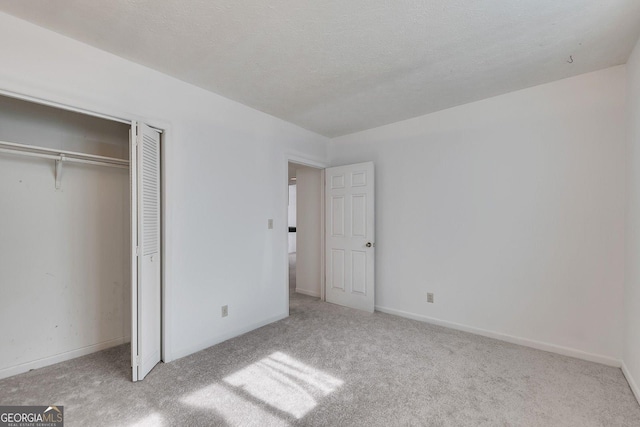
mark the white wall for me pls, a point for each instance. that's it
(309, 216)
(64, 265)
(631, 356)
(218, 247)
(292, 217)
(511, 210)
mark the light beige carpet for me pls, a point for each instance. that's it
(330, 366)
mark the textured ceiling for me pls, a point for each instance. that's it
(336, 67)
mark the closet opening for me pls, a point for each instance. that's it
(67, 272)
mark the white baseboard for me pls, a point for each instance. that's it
(631, 381)
(565, 351)
(186, 351)
(68, 355)
(306, 292)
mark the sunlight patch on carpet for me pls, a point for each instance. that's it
(273, 386)
(233, 408)
(285, 383)
(153, 420)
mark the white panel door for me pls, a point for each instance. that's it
(145, 341)
(350, 236)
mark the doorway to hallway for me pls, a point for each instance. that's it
(305, 221)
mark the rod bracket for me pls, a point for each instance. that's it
(59, 171)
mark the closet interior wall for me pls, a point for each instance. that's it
(64, 253)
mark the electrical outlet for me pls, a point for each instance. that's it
(430, 297)
(225, 310)
(270, 224)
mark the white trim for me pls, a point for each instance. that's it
(304, 162)
(165, 352)
(565, 351)
(632, 383)
(323, 223)
(62, 357)
(309, 293)
(158, 125)
(186, 351)
(133, 238)
(61, 106)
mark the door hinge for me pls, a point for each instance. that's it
(137, 250)
(138, 360)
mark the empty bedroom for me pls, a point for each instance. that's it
(322, 213)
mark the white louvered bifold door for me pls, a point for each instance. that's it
(148, 234)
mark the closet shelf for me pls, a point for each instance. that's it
(61, 156)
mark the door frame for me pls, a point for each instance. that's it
(304, 161)
(166, 144)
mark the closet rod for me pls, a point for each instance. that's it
(62, 157)
(67, 156)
